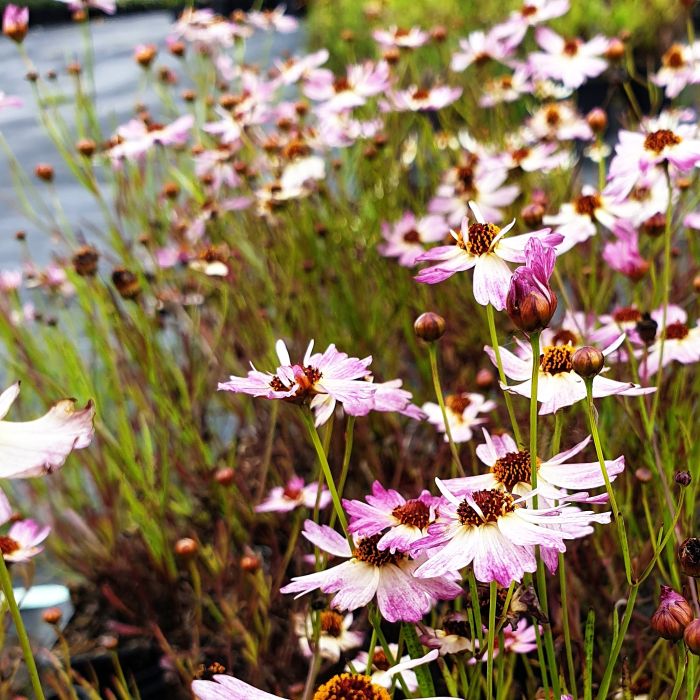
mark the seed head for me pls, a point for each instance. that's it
(689, 556)
(429, 326)
(588, 362)
(672, 616)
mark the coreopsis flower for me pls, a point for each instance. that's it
(532, 13)
(521, 640)
(381, 665)
(558, 385)
(109, 7)
(215, 168)
(510, 470)
(295, 68)
(463, 413)
(558, 121)
(622, 254)
(135, 138)
(541, 157)
(415, 99)
(322, 380)
(570, 61)
(483, 247)
(478, 48)
(15, 22)
(344, 685)
(497, 534)
(401, 38)
(22, 540)
(205, 29)
(454, 637)
(294, 494)
(335, 636)
(505, 88)
(369, 573)
(679, 68)
(406, 238)
(680, 344)
(272, 20)
(531, 302)
(41, 446)
(405, 521)
(623, 319)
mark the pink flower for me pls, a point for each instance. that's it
(558, 385)
(462, 414)
(15, 22)
(369, 573)
(416, 99)
(386, 509)
(406, 238)
(273, 20)
(217, 166)
(495, 533)
(481, 246)
(335, 636)
(323, 379)
(558, 121)
(296, 68)
(37, 447)
(478, 48)
(570, 61)
(109, 7)
(521, 640)
(505, 88)
(623, 254)
(401, 38)
(680, 342)
(679, 68)
(136, 138)
(9, 101)
(510, 470)
(295, 494)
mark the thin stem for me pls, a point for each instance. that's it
(267, 454)
(315, 664)
(457, 468)
(680, 675)
(617, 515)
(501, 373)
(6, 584)
(535, 344)
(349, 435)
(491, 636)
(566, 627)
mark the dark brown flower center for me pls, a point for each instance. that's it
(673, 58)
(528, 10)
(676, 331)
(306, 379)
(420, 94)
(586, 204)
(412, 236)
(347, 686)
(291, 492)
(414, 513)
(512, 469)
(479, 238)
(520, 154)
(341, 84)
(571, 47)
(457, 403)
(8, 545)
(367, 551)
(556, 359)
(492, 503)
(628, 314)
(658, 140)
(380, 661)
(458, 627)
(552, 115)
(331, 623)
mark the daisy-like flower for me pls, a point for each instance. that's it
(135, 138)
(622, 254)
(41, 446)
(416, 99)
(680, 342)
(454, 637)
(272, 20)
(406, 238)
(295, 68)
(344, 685)
(495, 533)
(481, 246)
(462, 414)
(369, 573)
(335, 638)
(623, 319)
(478, 48)
(558, 385)
(9, 100)
(294, 494)
(401, 38)
(405, 521)
(571, 61)
(381, 666)
(22, 541)
(510, 470)
(558, 121)
(215, 168)
(532, 13)
(505, 88)
(323, 379)
(521, 640)
(679, 68)
(541, 157)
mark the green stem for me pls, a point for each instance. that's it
(6, 584)
(349, 434)
(535, 344)
(617, 515)
(501, 373)
(491, 636)
(457, 468)
(566, 627)
(680, 675)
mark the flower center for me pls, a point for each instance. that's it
(479, 238)
(458, 627)
(564, 337)
(658, 140)
(367, 551)
(380, 661)
(420, 94)
(331, 623)
(628, 314)
(457, 403)
(8, 545)
(492, 503)
(341, 85)
(676, 331)
(673, 58)
(586, 204)
(520, 154)
(512, 469)
(414, 513)
(401, 32)
(552, 116)
(306, 378)
(347, 686)
(411, 236)
(556, 359)
(291, 492)
(528, 10)
(571, 47)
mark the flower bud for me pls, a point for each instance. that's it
(15, 22)
(85, 261)
(126, 282)
(44, 172)
(186, 547)
(655, 225)
(532, 214)
(144, 54)
(250, 562)
(672, 616)
(646, 328)
(689, 556)
(696, 283)
(224, 476)
(616, 49)
(86, 147)
(598, 120)
(485, 378)
(533, 311)
(429, 326)
(52, 616)
(643, 474)
(438, 33)
(588, 362)
(683, 478)
(691, 637)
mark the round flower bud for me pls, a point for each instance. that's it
(643, 474)
(224, 476)
(485, 378)
(186, 547)
(616, 49)
(85, 261)
(532, 214)
(250, 562)
(655, 225)
(691, 637)
(144, 55)
(52, 616)
(646, 328)
(86, 147)
(689, 556)
(683, 478)
(598, 120)
(588, 362)
(391, 55)
(126, 282)
(672, 616)
(44, 172)
(696, 283)
(438, 33)
(429, 326)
